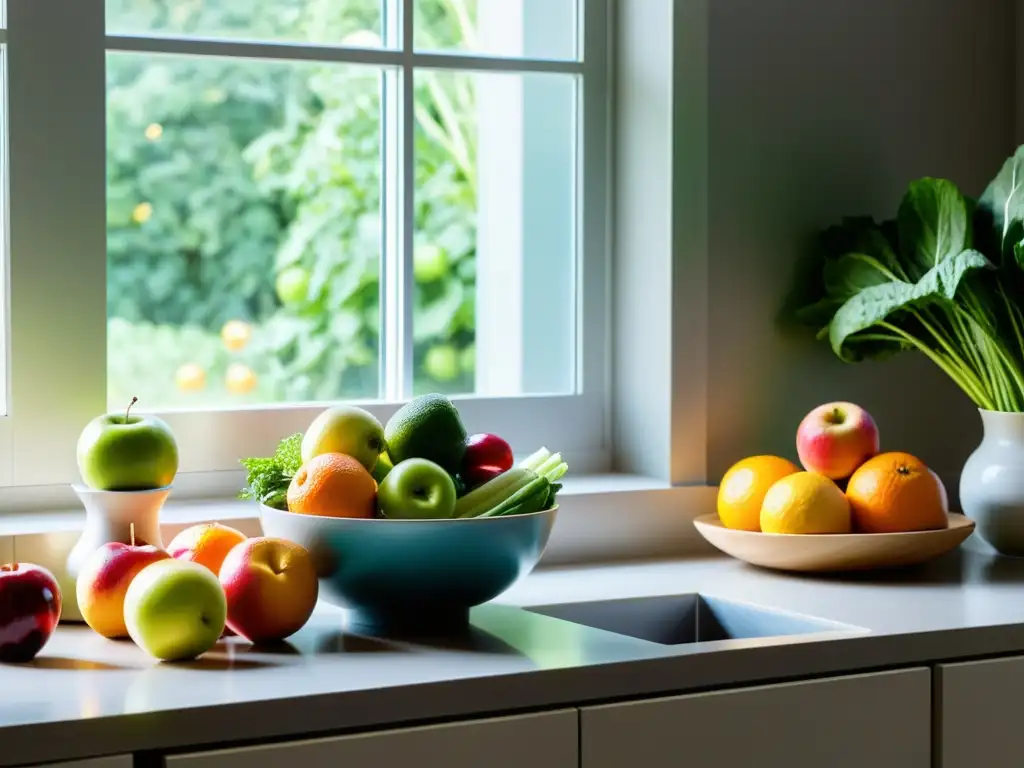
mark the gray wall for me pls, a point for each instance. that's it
(819, 108)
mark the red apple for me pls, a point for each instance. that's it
(836, 438)
(103, 583)
(486, 457)
(271, 588)
(29, 610)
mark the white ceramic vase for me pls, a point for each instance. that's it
(110, 516)
(992, 483)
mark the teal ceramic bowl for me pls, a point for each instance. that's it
(414, 575)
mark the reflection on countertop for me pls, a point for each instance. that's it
(86, 695)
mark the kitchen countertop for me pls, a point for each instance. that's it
(86, 696)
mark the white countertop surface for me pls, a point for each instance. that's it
(86, 696)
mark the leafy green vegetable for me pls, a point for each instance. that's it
(945, 277)
(933, 225)
(1000, 212)
(268, 478)
(875, 304)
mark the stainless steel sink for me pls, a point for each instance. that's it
(688, 618)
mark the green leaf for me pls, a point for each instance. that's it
(934, 225)
(435, 318)
(860, 234)
(880, 302)
(848, 275)
(1001, 207)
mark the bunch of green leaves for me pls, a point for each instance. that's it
(268, 479)
(944, 278)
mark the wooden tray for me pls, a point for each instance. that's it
(834, 552)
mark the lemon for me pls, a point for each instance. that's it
(743, 488)
(805, 502)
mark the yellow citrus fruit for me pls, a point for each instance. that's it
(190, 377)
(333, 485)
(235, 334)
(142, 213)
(805, 502)
(240, 379)
(743, 488)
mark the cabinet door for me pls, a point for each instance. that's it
(879, 720)
(547, 740)
(978, 714)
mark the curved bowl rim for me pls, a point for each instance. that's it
(712, 521)
(421, 521)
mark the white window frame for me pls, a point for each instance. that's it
(57, 268)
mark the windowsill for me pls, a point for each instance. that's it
(601, 517)
(224, 509)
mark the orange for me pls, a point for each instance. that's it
(894, 493)
(743, 488)
(236, 334)
(805, 502)
(240, 380)
(207, 544)
(190, 377)
(333, 485)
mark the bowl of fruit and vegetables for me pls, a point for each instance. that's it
(413, 523)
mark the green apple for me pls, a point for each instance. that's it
(429, 263)
(417, 489)
(175, 609)
(125, 452)
(442, 363)
(383, 467)
(292, 285)
(345, 429)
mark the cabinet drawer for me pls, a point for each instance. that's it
(879, 720)
(978, 714)
(546, 740)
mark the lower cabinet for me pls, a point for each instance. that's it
(881, 720)
(546, 740)
(978, 723)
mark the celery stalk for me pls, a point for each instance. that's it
(533, 496)
(535, 459)
(549, 464)
(557, 473)
(493, 492)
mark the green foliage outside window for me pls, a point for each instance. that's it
(250, 191)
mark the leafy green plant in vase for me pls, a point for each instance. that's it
(944, 278)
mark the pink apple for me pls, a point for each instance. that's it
(104, 581)
(836, 438)
(271, 588)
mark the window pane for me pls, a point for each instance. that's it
(536, 29)
(4, 306)
(244, 227)
(326, 22)
(495, 241)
